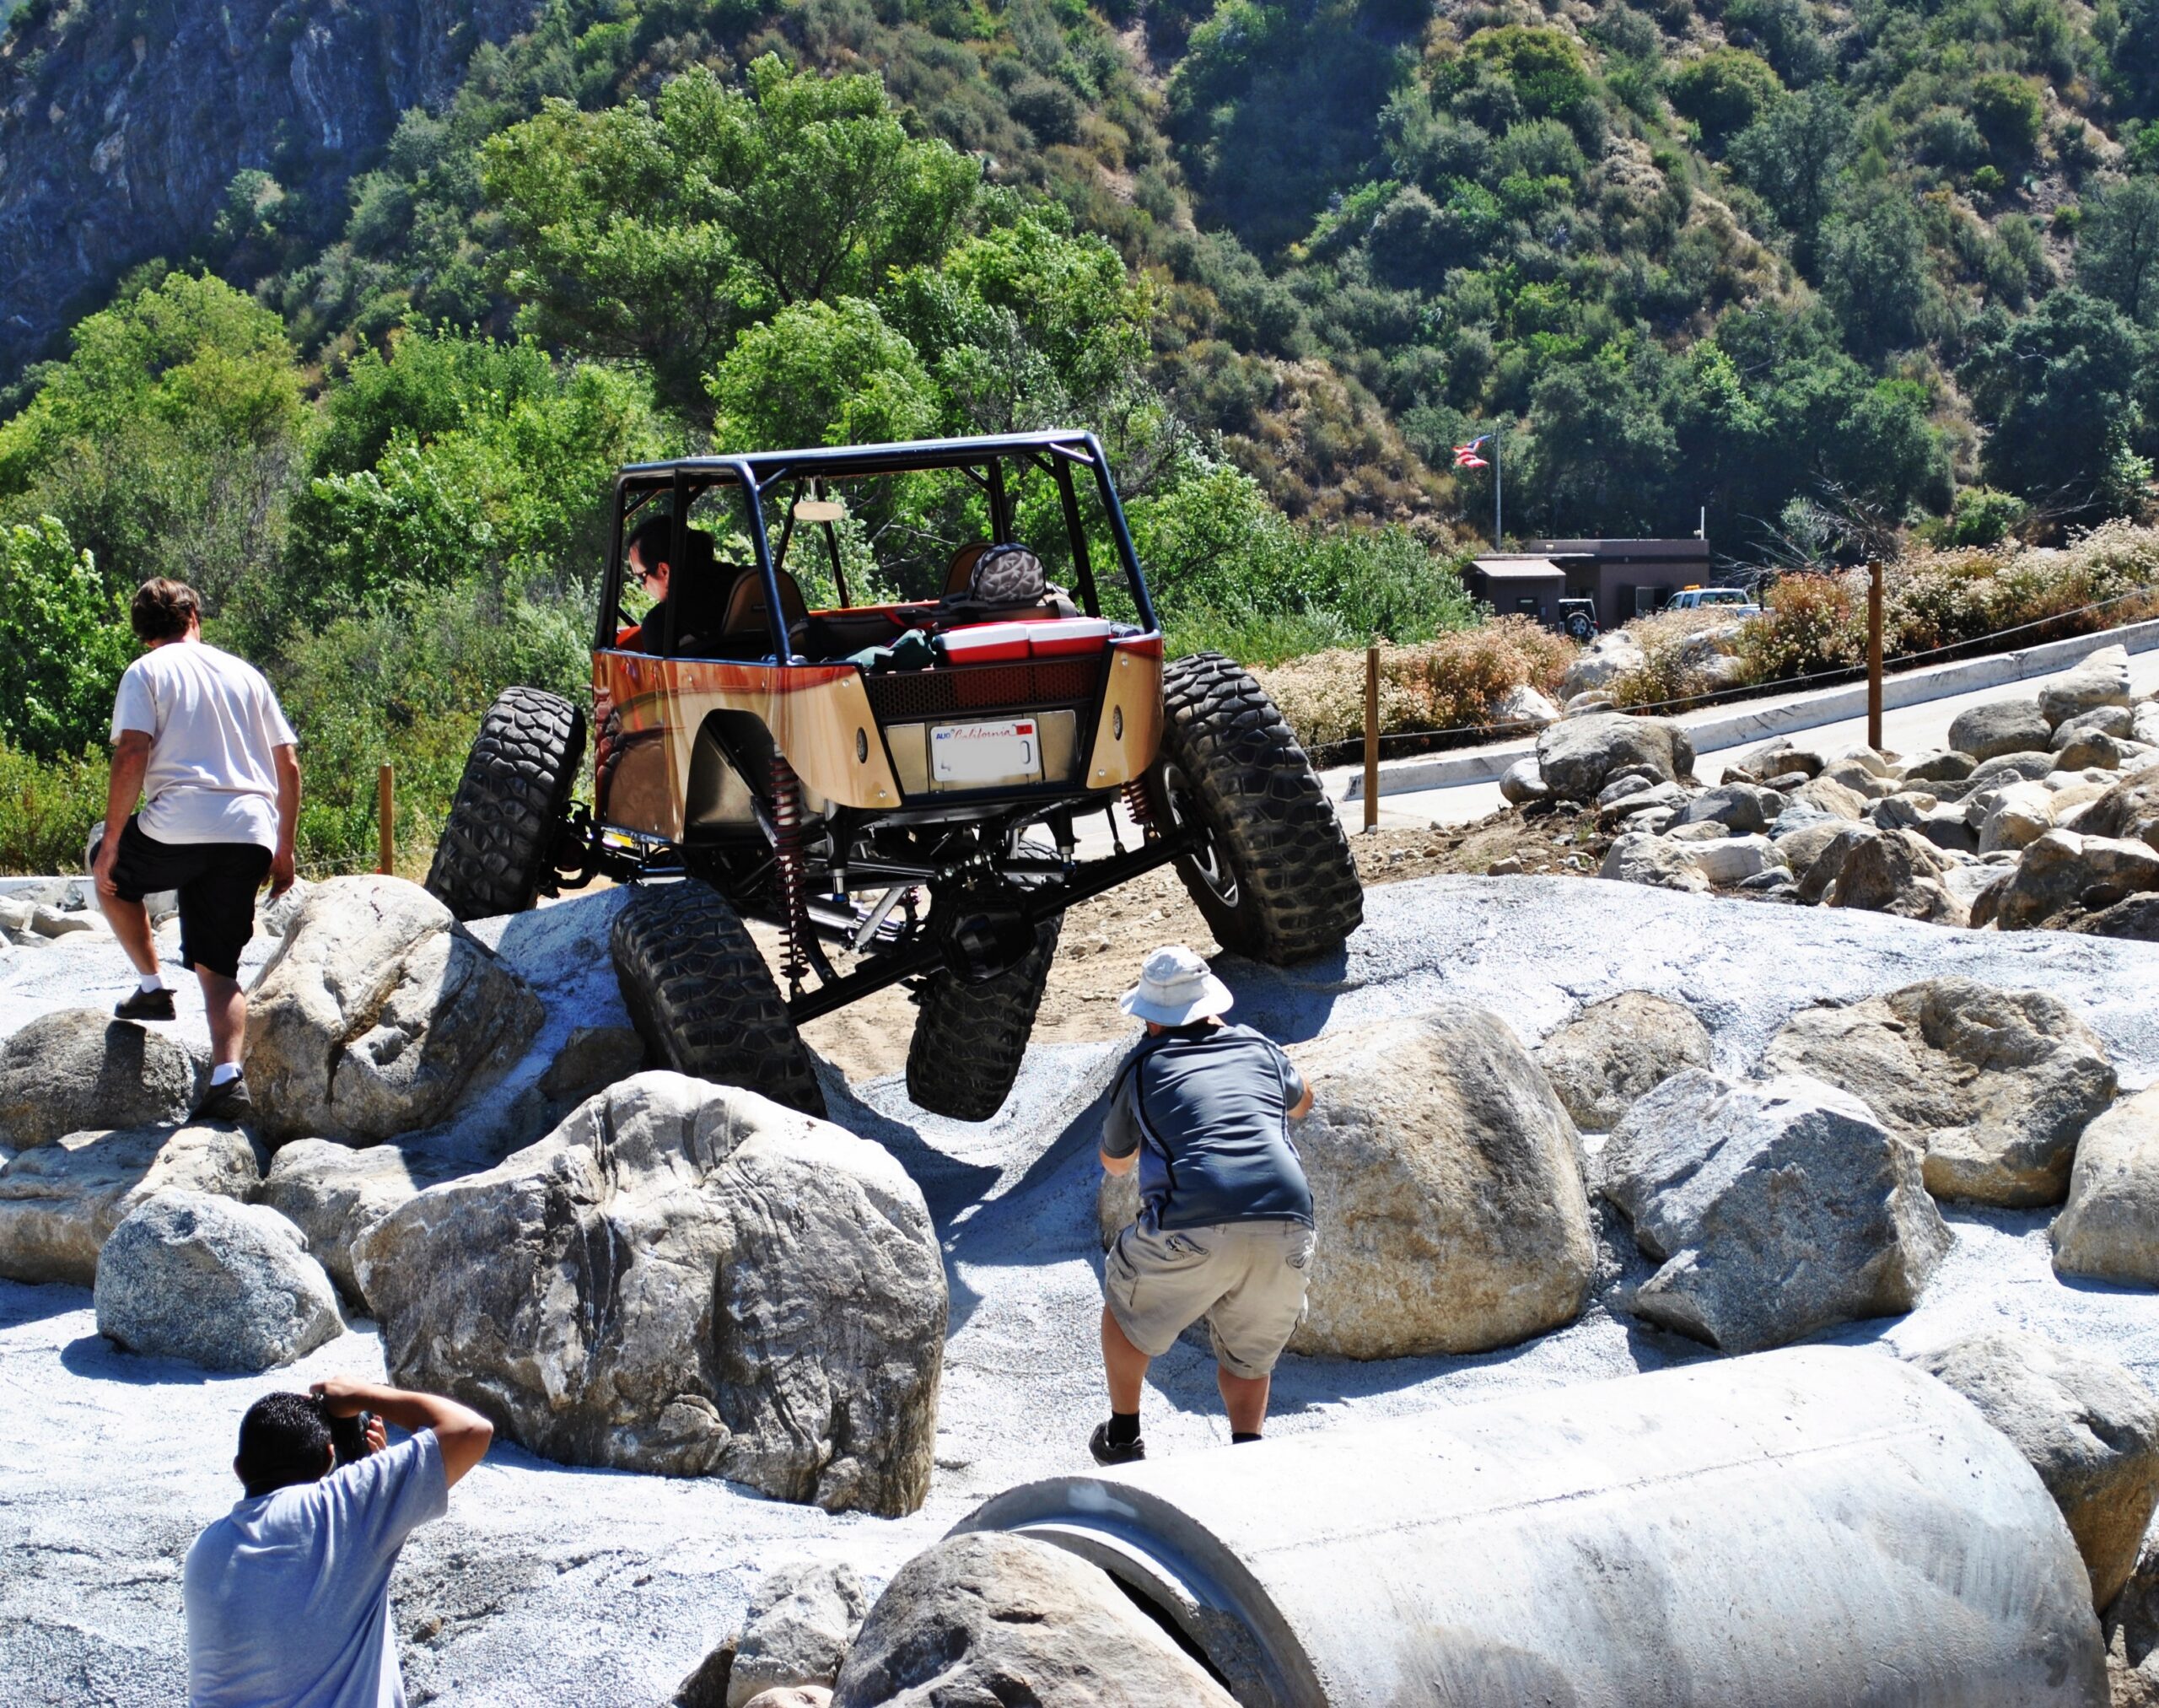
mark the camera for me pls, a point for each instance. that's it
(348, 1437)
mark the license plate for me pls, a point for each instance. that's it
(986, 753)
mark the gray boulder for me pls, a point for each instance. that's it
(989, 1618)
(336, 1195)
(2058, 871)
(79, 1070)
(1635, 796)
(58, 1204)
(1779, 758)
(2107, 720)
(681, 1278)
(378, 1015)
(1447, 1191)
(1993, 1086)
(1827, 794)
(1742, 807)
(1999, 727)
(801, 1620)
(226, 1285)
(1579, 754)
(2129, 810)
(2102, 680)
(1939, 766)
(1891, 871)
(2085, 1425)
(1613, 654)
(592, 1058)
(1777, 1208)
(1523, 783)
(1637, 857)
(2136, 919)
(1997, 773)
(2092, 751)
(2108, 1230)
(1615, 1050)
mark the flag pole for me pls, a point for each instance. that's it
(1495, 487)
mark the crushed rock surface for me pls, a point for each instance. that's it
(548, 1584)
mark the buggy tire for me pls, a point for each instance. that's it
(1276, 881)
(970, 1039)
(497, 846)
(702, 997)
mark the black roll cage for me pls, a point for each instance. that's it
(1055, 452)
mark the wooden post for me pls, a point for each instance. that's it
(1372, 736)
(1874, 654)
(386, 819)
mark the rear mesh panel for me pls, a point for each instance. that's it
(905, 697)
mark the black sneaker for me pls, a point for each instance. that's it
(229, 1102)
(1098, 1444)
(145, 1005)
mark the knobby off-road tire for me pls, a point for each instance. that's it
(498, 844)
(1276, 881)
(702, 997)
(970, 1039)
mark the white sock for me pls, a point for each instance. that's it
(154, 981)
(224, 1073)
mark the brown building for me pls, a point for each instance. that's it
(1625, 577)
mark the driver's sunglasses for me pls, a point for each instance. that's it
(648, 575)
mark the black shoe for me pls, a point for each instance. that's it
(145, 1005)
(229, 1102)
(1130, 1453)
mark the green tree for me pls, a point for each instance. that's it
(2009, 113)
(1601, 457)
(1724, 92)
(1875, 276)
(64, 640)
(662, 233)
(1791, 157)
(821, 374)
(166, 441)
(2054, 389)
(2117, 248)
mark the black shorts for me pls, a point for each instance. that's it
(216, 882)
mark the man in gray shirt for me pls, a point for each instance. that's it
(288, 1595)
(1225, 1222)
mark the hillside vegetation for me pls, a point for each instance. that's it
(1821, 274)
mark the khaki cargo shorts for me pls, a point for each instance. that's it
(1247, 1277)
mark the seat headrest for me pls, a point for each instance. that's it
(747, 608)
(1006, 575)
(961, 569)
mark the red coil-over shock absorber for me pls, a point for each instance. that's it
(1135, 804)
(793, 893)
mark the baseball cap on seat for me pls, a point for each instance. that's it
(1175, 988)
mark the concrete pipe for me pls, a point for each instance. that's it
(1820, 1525)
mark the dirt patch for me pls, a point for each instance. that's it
(1098, 956)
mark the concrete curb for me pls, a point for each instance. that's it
(1720, 727)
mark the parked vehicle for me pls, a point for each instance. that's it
(1738, 600)
(895, 784)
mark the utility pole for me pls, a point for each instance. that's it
(1874, 655)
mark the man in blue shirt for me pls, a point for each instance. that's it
(1203, 1110)
(288, 1595)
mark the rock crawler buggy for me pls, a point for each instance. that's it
(896, 786)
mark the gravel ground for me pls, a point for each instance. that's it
(553, 1585)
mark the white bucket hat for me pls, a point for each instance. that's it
(1175, 988)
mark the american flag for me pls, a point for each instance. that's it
(1466, 457)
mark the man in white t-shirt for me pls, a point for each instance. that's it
(198, 735)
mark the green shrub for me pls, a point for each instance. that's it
(47, 807)
(64, 640)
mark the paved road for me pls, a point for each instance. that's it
(1910, 729)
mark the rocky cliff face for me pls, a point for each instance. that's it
(121, 124)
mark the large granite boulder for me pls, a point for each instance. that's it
(2109, 1228)
(2086, 1426)
(1446, 1190)
(1615, 1050)
(1998, 727)
(682, 1278)
(2128, 809)
(1638, 857)
(58, 1204)
(1992, 1086)
(2065, 871)
(1742, 808)
(989, 1618)
(226, 1285)
(1782, 758)
(2102, 680)
(79, 1070)
(801, 1620)
(336, 1194)
(1578, 755)
(1777, 1208)
(378, 1015)
(1613, 654)
(1890, 871)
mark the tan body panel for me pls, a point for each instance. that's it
(648, 711)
